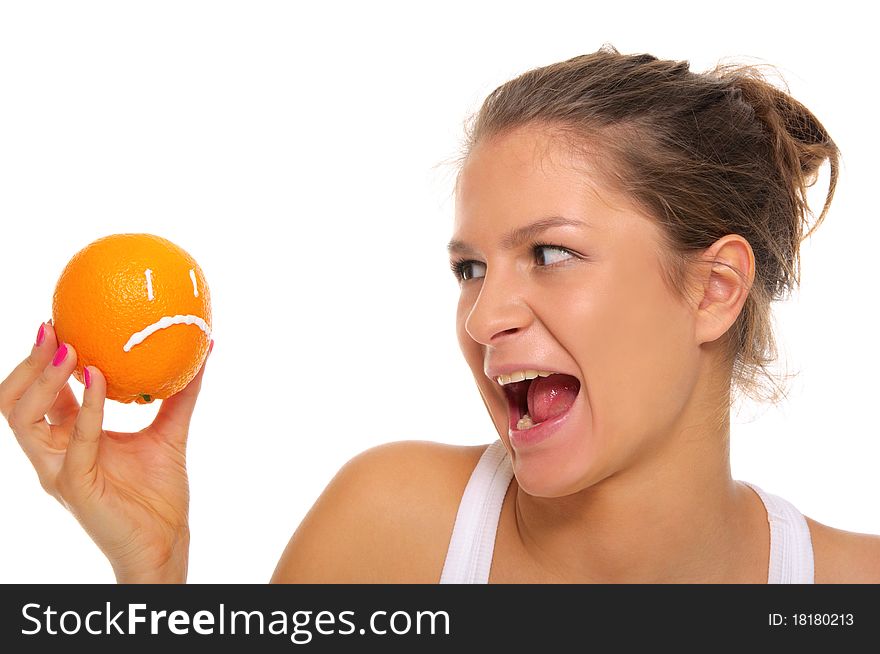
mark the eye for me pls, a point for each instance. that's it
(555, 250)
(149, 275)
(463, 269)
(192, 277)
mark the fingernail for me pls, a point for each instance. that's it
(41, 335)
(88, 377)
(60, 355)
(211, 346)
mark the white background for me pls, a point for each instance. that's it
(297, 151)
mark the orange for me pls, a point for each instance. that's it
(137, 307)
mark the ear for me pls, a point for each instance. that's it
(726, 275)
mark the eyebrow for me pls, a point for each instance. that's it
(520, 235)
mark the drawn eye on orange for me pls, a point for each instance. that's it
(166, 321)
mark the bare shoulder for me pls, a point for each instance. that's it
(385, 517)
(844, 557)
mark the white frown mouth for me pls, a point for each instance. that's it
(162, 323)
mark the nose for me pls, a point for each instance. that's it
(499, 311)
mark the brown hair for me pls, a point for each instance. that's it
(705, 154)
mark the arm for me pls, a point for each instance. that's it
(844, 557)
(386, 517)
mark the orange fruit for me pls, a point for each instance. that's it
(137, 307)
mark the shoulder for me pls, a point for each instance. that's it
(385, 517)
(844, 557)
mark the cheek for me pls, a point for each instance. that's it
(635, 354)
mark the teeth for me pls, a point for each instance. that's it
(521, 375)
(525, 422)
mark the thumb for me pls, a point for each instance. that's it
(173, 418)
(80, 461)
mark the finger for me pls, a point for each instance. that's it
(14, 386)
(29, 412)
(20, 379)
(66, 407)
(80, 465)
(174, 416)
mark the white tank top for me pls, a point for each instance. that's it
(469, 556)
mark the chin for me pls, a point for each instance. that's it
(556, 473)
(547, 488)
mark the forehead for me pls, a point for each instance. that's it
(530, 171)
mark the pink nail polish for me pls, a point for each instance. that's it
(60, 355)
(211, 346)
(88, 377)
(41, 335)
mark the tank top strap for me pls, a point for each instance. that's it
(791, 548)
(469, 556)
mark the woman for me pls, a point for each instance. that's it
(621, 227)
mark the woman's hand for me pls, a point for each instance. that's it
(129, 491)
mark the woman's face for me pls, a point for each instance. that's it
(585, 298)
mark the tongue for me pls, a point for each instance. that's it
(551, 396)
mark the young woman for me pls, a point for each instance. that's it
(622, 225)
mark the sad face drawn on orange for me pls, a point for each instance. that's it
(138, 307)
(167, 321)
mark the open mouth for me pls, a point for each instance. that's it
(532, 402)
(166, 321)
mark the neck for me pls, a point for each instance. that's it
(674, 516)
